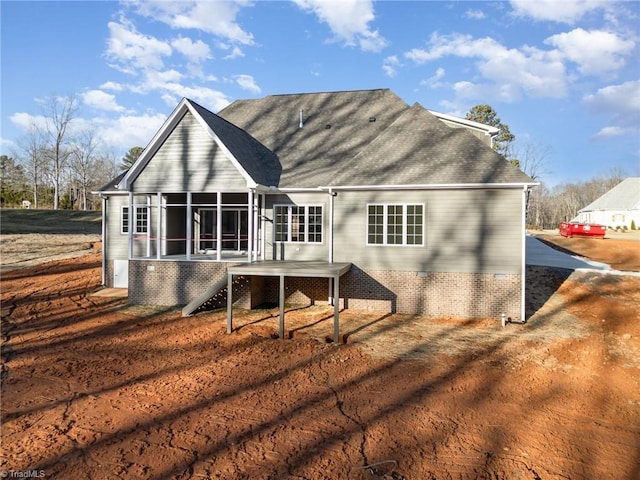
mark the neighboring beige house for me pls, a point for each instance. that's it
(429, 219)
(617, 209)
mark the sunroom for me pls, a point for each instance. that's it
(217, 226)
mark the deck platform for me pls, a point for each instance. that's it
(288, 268)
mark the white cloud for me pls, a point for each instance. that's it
(216, 17)
(511, 72)
(236, 52)
(114, 86)
(26, 121)
(348, 20)
(212, 99)
(614, 131)
(622, 100)
(475, 14)
(564, 11)
(127, 131)
(390, 66)
(595, 52)
(247, 82)
(101, 100)
(195, 52)
(131, 50)
(434, 80)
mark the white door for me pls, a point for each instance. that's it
(121, 274)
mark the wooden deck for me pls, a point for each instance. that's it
(287, 268)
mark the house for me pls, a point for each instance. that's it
(619, 208)
(428, 218)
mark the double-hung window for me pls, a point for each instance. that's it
(141, 221)
(395, 224)
(298, 223)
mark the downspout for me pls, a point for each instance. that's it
(131, 225)
(159, 226)
(189, 226)
(263, 230)
(250, 220)
(148, 209)
(332, 195)
(218, 226)
(104, 240)
(524, 253)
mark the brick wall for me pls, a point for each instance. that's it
(440, 294)
(434, 293)
(177, 283)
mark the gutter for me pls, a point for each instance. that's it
(432, 186)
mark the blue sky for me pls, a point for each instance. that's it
(564, 75)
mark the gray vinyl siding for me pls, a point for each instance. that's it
(116, 243)
(471, 231)
(297, 250)
(189, 160)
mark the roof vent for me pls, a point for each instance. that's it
(301, 122)
(327, 126)
(372, 119)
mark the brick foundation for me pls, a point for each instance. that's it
(177, 283)
(463, 295)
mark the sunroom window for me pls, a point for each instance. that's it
(141, 224)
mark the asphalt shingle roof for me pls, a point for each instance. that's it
(366, 137)
(259, 162)
(624, 196)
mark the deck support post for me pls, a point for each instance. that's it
(281, 303)
(229, 302)
(336, 310)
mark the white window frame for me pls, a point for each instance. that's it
(139, 211)
(385, 225)
(290, 223)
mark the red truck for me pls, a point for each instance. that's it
(570, 229)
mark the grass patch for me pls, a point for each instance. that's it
(49, 221)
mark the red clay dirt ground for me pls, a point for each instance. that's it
(93, 388)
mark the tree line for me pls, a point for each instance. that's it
(57, 165)
(546, 206)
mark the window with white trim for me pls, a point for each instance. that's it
(141, 221)
(298, 223)
(395, 224)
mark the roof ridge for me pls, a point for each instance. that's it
(328, 91)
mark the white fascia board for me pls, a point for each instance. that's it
(157, 140)
(251, 183)
(109, 192)
(442, 186)
(488, 129)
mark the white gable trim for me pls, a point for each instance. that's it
(487, 129)
(161, 135)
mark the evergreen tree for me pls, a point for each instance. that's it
(130, 158)
(487, 115)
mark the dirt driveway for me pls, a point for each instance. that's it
(93, 388)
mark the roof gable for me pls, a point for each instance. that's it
(624, 196)
(252, 160)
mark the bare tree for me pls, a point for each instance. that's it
(83, 164)
(59, 113)
(31, 155)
